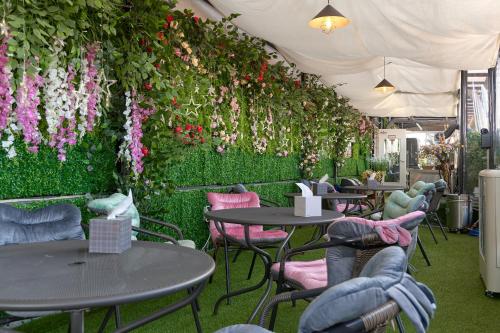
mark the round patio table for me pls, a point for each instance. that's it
(331, 196)
(63, 275)
(381, 188)
(265, 216)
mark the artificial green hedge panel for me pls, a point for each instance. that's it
(88, 169)
(235, 166)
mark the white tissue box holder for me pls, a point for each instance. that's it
(110, 236)
(307, 206)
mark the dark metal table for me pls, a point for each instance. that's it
(63, 275)
(266, 216)
(332, 196)
(376, 189)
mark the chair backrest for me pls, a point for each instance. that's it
(239, 188)
(421, 188)
(219, 201)
(347, 261)
(399, 204)
(350, 182)
(382, 280)
(436, 199)
(55, 222)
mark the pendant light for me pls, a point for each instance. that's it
(329, 19)
(384, 86)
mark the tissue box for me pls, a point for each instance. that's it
(110, 236)
(307, 206)
(319, 188)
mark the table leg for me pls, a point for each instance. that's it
(76, 321)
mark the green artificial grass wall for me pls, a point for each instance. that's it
(88, 169)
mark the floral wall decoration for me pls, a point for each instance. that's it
(162, 82)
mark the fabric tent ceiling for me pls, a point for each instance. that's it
(426, 42)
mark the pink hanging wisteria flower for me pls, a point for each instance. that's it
(132, 148)
(28, 117)
(66, 127)
(90, 89)
(6, 98)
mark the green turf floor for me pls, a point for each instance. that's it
(453, 276)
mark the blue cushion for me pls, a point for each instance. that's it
(55, 222)
(353, 298)
(399, 204)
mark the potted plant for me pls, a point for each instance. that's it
(441, 153)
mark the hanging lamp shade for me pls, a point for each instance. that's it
(384, 86)
(329, 19)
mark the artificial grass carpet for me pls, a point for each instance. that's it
(453, 277)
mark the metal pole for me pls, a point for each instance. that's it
(492, 73)
(462, 170)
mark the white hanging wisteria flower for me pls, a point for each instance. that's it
(56, 98)
(8, 144)
(127, 139)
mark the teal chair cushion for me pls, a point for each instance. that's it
(399, 204)
(105, 205)
(422, 188)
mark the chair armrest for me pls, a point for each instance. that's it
(164, 224)
(156, 234)
(288, 297)
(268, 203)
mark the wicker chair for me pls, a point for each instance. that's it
(357, 234)
(373, 301)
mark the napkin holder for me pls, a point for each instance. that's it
(110, 235)
(307, 206)
(320, 188)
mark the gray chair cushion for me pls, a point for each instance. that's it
(55, 222)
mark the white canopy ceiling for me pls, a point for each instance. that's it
(426, 42)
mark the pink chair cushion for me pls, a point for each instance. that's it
(390, 231)
(241, 200)
(305, 274)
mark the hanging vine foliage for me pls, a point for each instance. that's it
(161, 81)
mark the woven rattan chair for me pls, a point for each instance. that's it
(377, 297)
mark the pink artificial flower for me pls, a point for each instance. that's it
(6, 98)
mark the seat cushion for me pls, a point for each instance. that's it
(243, 328)
(305, 274)
(257, 235)
(186, 243)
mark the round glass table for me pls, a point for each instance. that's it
(63, 275)
(270, 217)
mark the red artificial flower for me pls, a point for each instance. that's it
(148, 86)
(297, 83)
(169, 18)
(142, 42)
(149, 49)
(202, 140)
(247, 77)
(260, 78)
(165, 42)
(166, 25)
(157, 65)
(188, 127)
(178, 129)
(160, 35)
(145, 151)
(196, 19)
(199, 129)
(174, 101)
